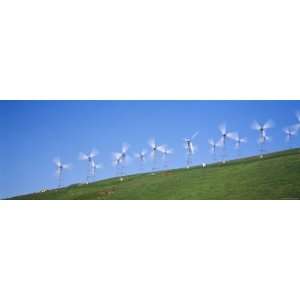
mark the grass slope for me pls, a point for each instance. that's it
(274, 177)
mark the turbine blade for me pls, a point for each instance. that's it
(117, 155)
(220, 143)
(125, 147)
(194, 135)
(194, 148)
(286, 130)
(255, 125)
(152, 143)
(170, 151)
(268, 124)
(222, 128)
(83, 156)
(162, 148)
(93, 153)
(232, 135)
(152, 154)
(211, 142)
(57, 162)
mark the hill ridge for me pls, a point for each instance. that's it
(276, 176)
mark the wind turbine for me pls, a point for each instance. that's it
(165, 153)
(290, 133)
(153, 154)
(262, 129)
(89, 158)
(225, 135)
(141, 156)
(117, 161)
(190, 149)
(59, 169)
(238, 143)
(124, 157)
(213, 148)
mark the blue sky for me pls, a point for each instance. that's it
(34, 132)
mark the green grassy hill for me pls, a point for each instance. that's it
(276, 176)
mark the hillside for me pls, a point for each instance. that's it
(274, 177)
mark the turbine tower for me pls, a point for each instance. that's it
(190, 149)
(262, 141)
(59, 170)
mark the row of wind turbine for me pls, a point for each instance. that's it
(120, 159)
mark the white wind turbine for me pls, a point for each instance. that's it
(225, 135)
(153, 154)
(190, 149)
(120, 159)
(141, 156)
(89, 158)
(290, 132)
(165, 153)
(117, 162)
(59, 169)
(213, 148)
(125, 156)
(262, 129)
(238, 143)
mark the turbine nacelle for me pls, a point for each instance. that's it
(141, 155)
(117, 158)
(262, 127)
(239, 141)
(226, 134)
(154, 148)
(89, 157)
(290, 132)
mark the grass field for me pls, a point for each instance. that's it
(276, 176)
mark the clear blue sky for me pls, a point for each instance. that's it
(34, 132)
